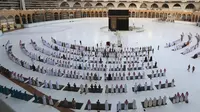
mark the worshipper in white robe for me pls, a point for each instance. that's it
(134, 104)
(146, 102)
(154, 102)
(50, 101)
(172, 83)
(81, 88)
(99, 78)
(145, 86)
(12, 75)
(106, 106)
(112, 89)
(164, 100)
(150, 102)
(119, 106)
(143, 75)
(177, 97)
(159, 101)
(152, 75)
(116, 89)
(133, 75)
(125, 88)
(57, 85)
(159, 85)
(121, 88)
(45, 84)
(30, 81)
(156, 73)
(50, 85)
(166, 83)
(126, 105)
(139, 75)
(151, 86)
(174, 99)
(128, 77)
(186, 97)
(37, 82)
(106, 91)
(135, 87)
(164, 72)
(86, 89)
(89, 105)
(44, 100)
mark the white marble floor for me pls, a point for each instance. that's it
(89, 32)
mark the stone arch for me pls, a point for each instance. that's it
(64, 5)
(17, 19)
(92, 14)
(49, 16)
(110, 5)
(183, 17)
(29, 18)
(141, 15)
(88, 4)
(96, 14)
(100, 14)
(99, 5)
(24, 19)
(145, 14)
(77, 5)
(190, 6)
(165, 6)
(143, 5)
(56, 16)
(88, 14)
(104, 14)
(177, 6)
(154, 6)
(3, 20)
(10, 19)
(132, 5)
(133, 14)
(64, 15)
(121, 5)
(84, 14)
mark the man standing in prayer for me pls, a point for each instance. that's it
(193, 68)
(188, 68)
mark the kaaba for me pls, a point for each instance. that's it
(118, 20)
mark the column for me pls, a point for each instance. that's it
(23, 4)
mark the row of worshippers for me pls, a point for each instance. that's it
(14, 93)
(74, 46)
(16, 76)
(136, 54)
(85, 76)
(114, 76)
(116, 89)
(130, 49)
(184, 44)
(166, 84)
(155, 102)
(158, 73)
(89, 105)
(71, 54)
(69, 86)
(126, 105)
(139, 87)
(50, 85)
(93, 88)
(134, 76)
(46, 100)
(175, 42)
(180, 98)
(64, 49)
(12, 57)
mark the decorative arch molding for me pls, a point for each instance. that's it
(121, 5)
(77, 5)
(64, 5)
(165, 6)
(88, 4)
(132, 5)
(143, 5)
(99, 5)
(176, 6)
(110, 5)
(190, 6)
(154, 5)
